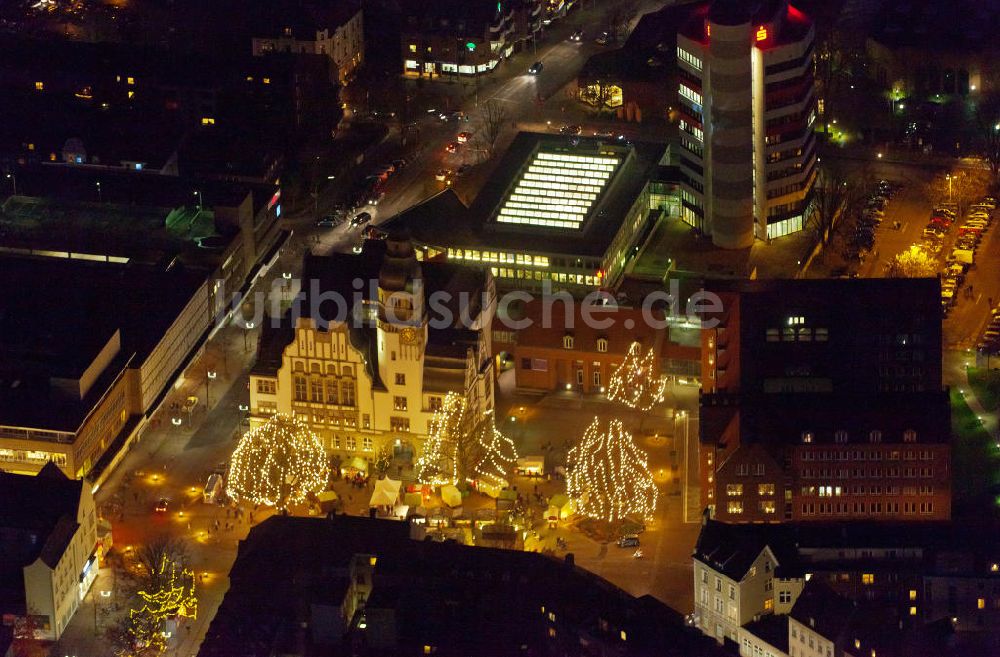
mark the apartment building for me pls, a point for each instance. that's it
(822, 400)
(374, 377)
(48, 536)
(746, 107)
(334, 30)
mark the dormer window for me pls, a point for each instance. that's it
(288, 31)
(875, 436)
(602, 345)
(807, 437)
(840, 436)
(568, 341)
(909, 436)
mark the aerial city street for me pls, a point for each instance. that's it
(541, 327)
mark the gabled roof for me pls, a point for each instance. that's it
(732, 549)
(35, 503)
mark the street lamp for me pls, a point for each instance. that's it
(99, 197)
(949, 177)
(13, 180)
(198, 194)
(176, 421)
(210, 376)
(246, 333)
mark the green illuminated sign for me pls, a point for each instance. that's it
(471, 46)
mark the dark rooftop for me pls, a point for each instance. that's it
(772, 628)
(960, 25)
(270, 18)
(821, 609)
(55, 315)
(444, 220)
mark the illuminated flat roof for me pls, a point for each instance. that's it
(558, 189)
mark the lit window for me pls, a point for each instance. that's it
(867, 578)
(765, 489)
(734, 489)
(130, 80)
(913, 594)
(913, 611)
(735, 507)
(413, 47)
(769, 604)
(267, 80)
(807, 437)
(981, 603)
(39, 86)
(602, 345)
(623, 635)
(206, 120)
(131, 94)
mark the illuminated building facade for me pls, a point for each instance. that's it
(822, 400)
(378, 383)
(746, 108)
(48, 538)
(464, 38)
(571, 212)
(335, 31)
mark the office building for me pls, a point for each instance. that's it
(746, 112)
(822, 400)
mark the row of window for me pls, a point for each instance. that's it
(871, 508)
(31, 456)
(765, 506)
(837, 491)
(559, 277)
(861, 455)
(325, 390)
(499, 257)
(792, 334)
(874, 436)
(349, 443)
(859, 473)
(601, 343)
(736, 490)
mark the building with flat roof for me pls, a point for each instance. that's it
(142, 284)
(348, 585)
(822, 399)
(747, 107)
(570, 211)
(48, 538)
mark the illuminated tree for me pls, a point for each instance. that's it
(277, 464)
(496, 455)
(436, 464)
(635, 383)
(461, 447)
(382, 461)
(173, 596)
(607, 475)
(915, 262)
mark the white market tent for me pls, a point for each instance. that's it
(450, 495)
(386, 493)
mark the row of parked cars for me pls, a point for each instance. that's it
(963, 255)
(872, 215)
(990, 341)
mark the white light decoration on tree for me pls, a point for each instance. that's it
(635, 383)
(497, 455)
(608, 476)
(437, 464)
(277, 464)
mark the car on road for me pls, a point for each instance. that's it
(603, 39)
(361, 219)
(453, 115)
(536, 68)
(329, 222)
(576, 36)
(399, 164)
(442, 175)
(630, 540)
(452, 147)
(464, 137)
(161, 506)
(570, 130)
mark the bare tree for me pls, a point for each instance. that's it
(834, 196)
(493, 118)
(149, 557)
(618, 18)
(960, 187)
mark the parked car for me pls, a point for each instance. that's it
(442, 175)
(464, 137)
(328, 222)
(631, 540)
(452, 147)
(603, 39)
(161, 506)
(570, 130)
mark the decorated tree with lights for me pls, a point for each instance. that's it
(172, 595)
(278, 463)
(635, 383)
(608, 476)
(496, 455)
(437, 464)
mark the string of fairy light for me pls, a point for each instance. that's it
(635, 382)
(175, 598)
(498, 455)
(437, 464)
(277, 464)
(608, 476)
